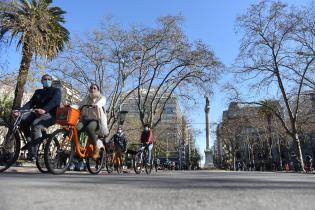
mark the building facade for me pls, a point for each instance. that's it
(172, 138)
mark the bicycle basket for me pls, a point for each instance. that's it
(67, 116)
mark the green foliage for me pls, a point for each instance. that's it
(35, 24)
(195, 158)
(5, 107)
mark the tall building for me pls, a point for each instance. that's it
(171, 135)
(218, 146)
(306, 122)
(245, 137)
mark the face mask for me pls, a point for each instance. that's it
(146, 129)
(46, 83)
(94, 95)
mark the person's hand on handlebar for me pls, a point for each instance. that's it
(16, 113)
(40, 111)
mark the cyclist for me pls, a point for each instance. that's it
(147, 140)
(44, 102)
(120, 145)
(93, 119)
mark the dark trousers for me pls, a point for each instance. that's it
(32, 126)
(90, 127)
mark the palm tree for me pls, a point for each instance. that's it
(37, 27)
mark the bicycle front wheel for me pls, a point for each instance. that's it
(40, 160)
(9, 147)
(138, 163)
(95, 166)
(59, 151)
(109, 162)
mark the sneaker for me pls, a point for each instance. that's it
(96, 153)
(71, 167)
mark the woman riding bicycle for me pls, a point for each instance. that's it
(93, 119)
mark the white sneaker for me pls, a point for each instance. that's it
(100, 144)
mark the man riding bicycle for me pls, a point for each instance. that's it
(147, 140)
(44, 102)
(120, 145)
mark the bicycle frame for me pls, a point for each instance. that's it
(82, 152)
(16, 125)
(142, 151)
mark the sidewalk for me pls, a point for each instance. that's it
(23, 169)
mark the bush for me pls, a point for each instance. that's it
(5, 107)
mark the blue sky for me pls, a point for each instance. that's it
(208, 20)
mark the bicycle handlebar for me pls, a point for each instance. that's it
(23, 111)
(87, 106)
(26, 110)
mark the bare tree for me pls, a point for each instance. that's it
(167, 63)
(150, 64)
(269, 53)
(99, 57)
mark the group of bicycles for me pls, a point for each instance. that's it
(56, 151)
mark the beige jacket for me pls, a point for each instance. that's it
(95, 114)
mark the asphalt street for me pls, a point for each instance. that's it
(28, 189)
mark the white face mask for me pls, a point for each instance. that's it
(146, 129)
(94, 95)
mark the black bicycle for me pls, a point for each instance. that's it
(141, 160)
(10, 144)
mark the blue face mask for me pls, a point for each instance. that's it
(46, 83)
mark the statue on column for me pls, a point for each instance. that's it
(208, 152)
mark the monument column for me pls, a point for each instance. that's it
(208, 152)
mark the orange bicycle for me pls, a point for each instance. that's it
(64, 143)
(113, 158)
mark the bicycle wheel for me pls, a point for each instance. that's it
(59, 151)
(40, 160)
(138, 163)
(109, 162)
(95, 166)
(119, 168)
(10, 145)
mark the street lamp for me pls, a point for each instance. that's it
(121, 117)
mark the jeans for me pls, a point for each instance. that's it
(150, 147)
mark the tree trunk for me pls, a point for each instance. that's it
(269, 138)
(22, 77)
(234, 161)
(299, 154)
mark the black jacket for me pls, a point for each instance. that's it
(48, 99)
(120, 140)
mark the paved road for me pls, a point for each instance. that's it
(163, 190)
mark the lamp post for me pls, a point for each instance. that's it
(121, 117)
